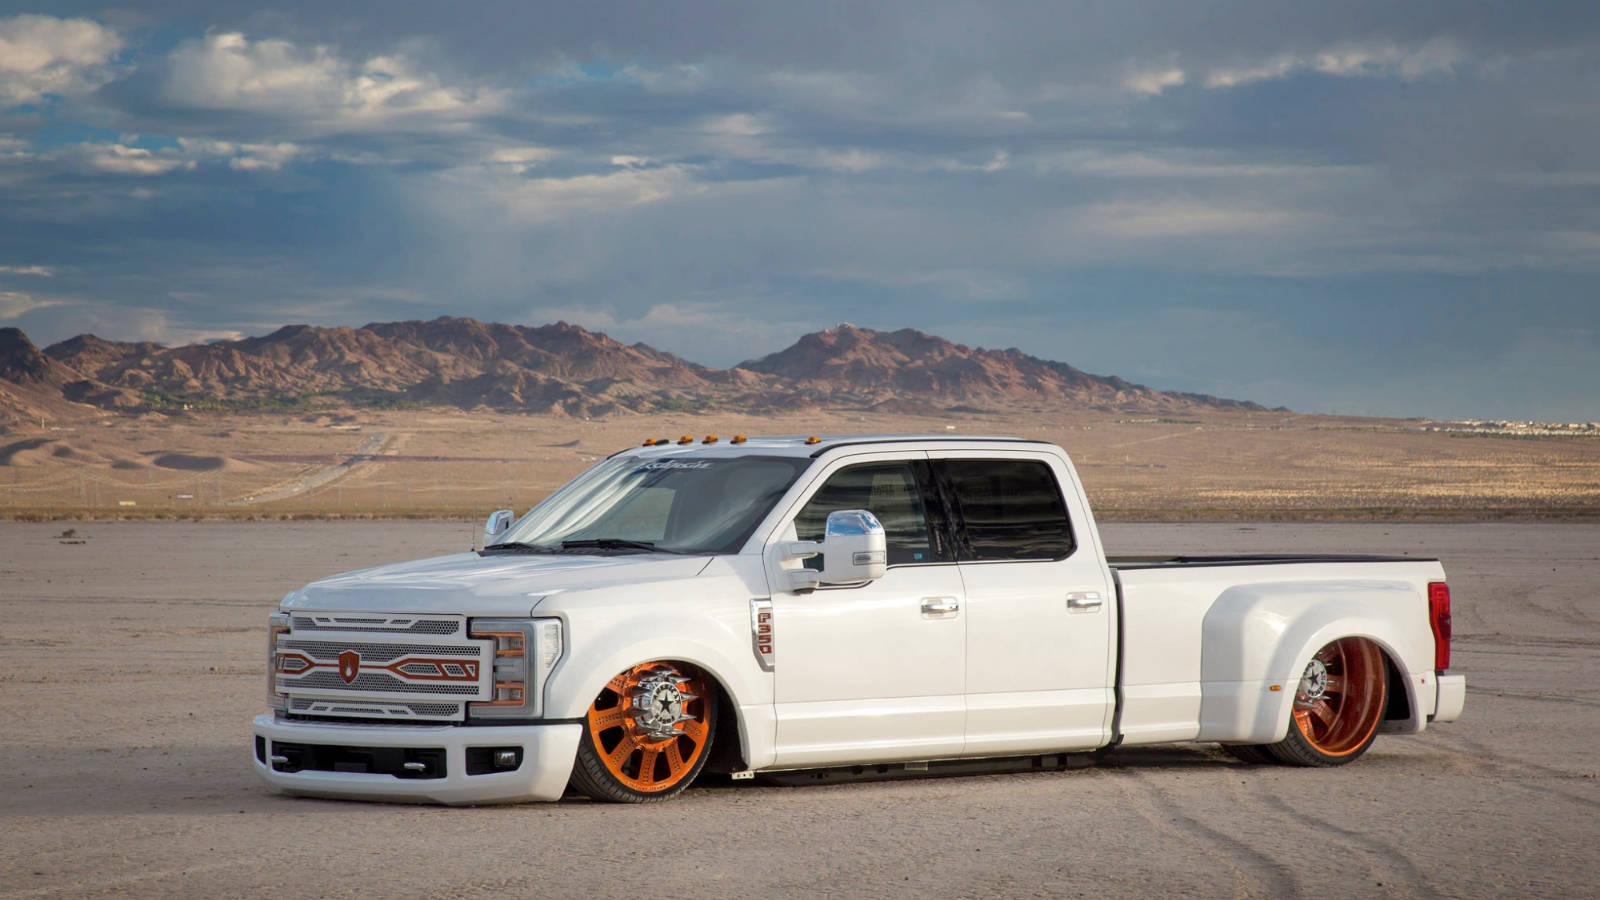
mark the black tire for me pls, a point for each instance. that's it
(1254, 754)
(1340, 727)
(616, 765)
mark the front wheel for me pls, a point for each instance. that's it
(1337, 705)
(647, 735)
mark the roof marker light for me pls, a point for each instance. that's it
(813, 440)
(649, 442)
(686, 439)
(710, 439)
(737, 439)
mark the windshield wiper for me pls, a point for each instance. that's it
(615, 544)
(520, 546)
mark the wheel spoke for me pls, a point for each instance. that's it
(619, 685)
(622, 751)
(1302, 720)
(600, 720)
(696, 730)
(674, 758)
(1323, 712)
(647, 766)
(1335, 684)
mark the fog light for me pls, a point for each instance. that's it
(505, 759)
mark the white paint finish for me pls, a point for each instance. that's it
(1034, 667)
(860, 670)
(864, 675)
(1452, 698)
(1159, 713)
(547, 755)
(1022, 722)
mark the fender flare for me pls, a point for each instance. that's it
(577, 682)
(1257, 637)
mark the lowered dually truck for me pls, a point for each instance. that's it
(772, 605)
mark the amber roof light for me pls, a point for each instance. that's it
(737, 439)
(813, 440)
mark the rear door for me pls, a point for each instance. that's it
(1039, 606)
(872, 672)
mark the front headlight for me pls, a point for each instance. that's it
(525, 653)
(277, 623)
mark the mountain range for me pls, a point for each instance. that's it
(558, 368)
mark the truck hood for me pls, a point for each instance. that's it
(509, 584)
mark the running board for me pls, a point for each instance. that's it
(928, 769)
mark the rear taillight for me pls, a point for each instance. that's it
(277, 623)
(1439, 618)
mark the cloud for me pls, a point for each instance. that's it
(228, 71)
(243, 157)
(119, 160)
(42, 55)
(1154, 81)
(1162, 219)
(14, 304)
(1371, 59)
(534, 200)
(41, 271)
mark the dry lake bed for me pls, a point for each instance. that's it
(130, 666)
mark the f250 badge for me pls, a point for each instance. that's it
(761, 633)
(349, 665)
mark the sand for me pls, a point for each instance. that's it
(130, 666)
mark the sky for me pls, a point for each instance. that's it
(1355, 207)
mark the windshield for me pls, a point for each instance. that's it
(678, 505)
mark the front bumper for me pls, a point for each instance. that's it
(548, 752)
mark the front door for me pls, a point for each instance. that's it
(873, 672)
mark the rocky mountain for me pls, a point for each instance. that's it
(557, 368)
(909, 365)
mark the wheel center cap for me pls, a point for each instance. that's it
(1314, 683)
(657, 708)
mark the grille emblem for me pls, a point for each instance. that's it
(349, 665)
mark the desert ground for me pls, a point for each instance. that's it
(450, 463)
(130, 665)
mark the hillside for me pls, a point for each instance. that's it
(558, 368)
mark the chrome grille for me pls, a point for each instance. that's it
(374, 681)
(380, 624)
(378, 652)
(396, 676)
(313, 707)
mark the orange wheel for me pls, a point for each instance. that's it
(1337, 705)
(647, 734)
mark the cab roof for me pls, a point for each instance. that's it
(803, 445)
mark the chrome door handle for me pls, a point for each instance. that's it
(1088, 601)
(940, 606)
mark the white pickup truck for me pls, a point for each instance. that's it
(786, 604)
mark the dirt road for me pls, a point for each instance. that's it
(130, 666)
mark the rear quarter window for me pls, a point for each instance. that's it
(1008, 509)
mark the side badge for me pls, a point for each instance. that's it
(761, 633)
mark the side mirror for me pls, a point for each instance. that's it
(853, 547)
(499, 523)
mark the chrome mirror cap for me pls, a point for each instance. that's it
(498, 524)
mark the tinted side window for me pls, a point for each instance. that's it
(887, 490)
(1008, 509)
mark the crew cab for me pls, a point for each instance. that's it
(775, 605)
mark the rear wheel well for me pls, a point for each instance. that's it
(1398, 693)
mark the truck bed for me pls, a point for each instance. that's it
(1254, 559)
